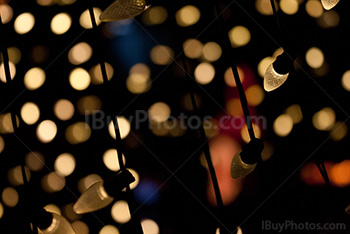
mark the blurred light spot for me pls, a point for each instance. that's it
(24, 23)
(53, 182)
(110, 159)
(290, 7)
(277, 52)
(187, 103)
(212, 51)
(162, 55)
(233, 107)
(176, 129)
(314, 57)
(120, 212)
(15, 54)
(96, 74)
(85, 20)
(10, 197)
(193, 48)
(6, 125)
(87, 181)
(69, 213)
(263, 64)
(245, 135)
(89, 105)
(339, 174)
(329, 19)
(230, 79)
(155, 15)
(149, 226)
(79, 79)
(124, 127)
(46, 131)
(239, 230)
(66, 2)
(30, 113)
(34, 78)
(211, 127)
(39, 54)
(147, 192)
(339, 131)
(159, 129)
(65, 164)
(239, 36)
(141, 69)
(255, 95)
(78, 133)
(264, 7)
(283, 125)
(80, 227)
(324, 119)
(6, 13)
(2, 144)
(204, 73)
(12, 72)
(45, 2)
(159, 112)
(15, 175)
(294, 111)
(63, 109)
(314, 8)
(268, 151)
(137, 83)
(187, 16)
(345, 80)
(80, 53)
(52, 208)
(35, 161)
(310, 174)
(109, 229)
(61, 23)
(136, 176)
(1, 210)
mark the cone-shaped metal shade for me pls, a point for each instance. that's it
(272, 79)
(59, 225)
(329, 4)
(240, 168)
(123, 9)
(94, 198)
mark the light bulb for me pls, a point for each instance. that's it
(329, 4)
(58, 225)
(123, 9)
(277, 73)
(245, 161)
(94, 198)
(101, 194)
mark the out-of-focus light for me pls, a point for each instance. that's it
(324, 119)
(294, 111)
(187, 16)
(35, 161)
(239, 230)
(339, 131)
(12, 71)
(61, 23)
(283, 125)
(15, 54)
(159, 112)
(63, 109)
(268, 151)
(264, 7)
(6, 13)
(310, 174)
(59, 225)
(120, 212)
(136, 176)
(78, 133)
(314, 57)
(314, 8)
(69, 213)
(147, 192)
(193, 48)
(2, 144)
(263, 65)
(87, 181)
(15, 175)
(149, 226)
(204, 73)
(109, 229)
(6, 125)
(30, 113)
(79, 79)
(255, 95)
(1, 210)
(80, 53)
(345, 80)
(339, 174)
(24, 23)
(230, 79)
(52, 208)
(290, 7)
(65, 164)
(34, 78)
(329, 4)
(39, 54)
(277, 72)
(212, 51)
(329, 19)
(46, 131)
(239, 36)
(244, 132)
(124, 127)
(137, 83)
(85, 20)
(45, 2)
(80, 227)
(10, 197)
(110, 159)
(162, 55)
(89, 105)
(122, 10)
(96, 73)
(53, 182)
(155, 15)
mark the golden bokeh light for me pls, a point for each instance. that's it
(45, 2)
(10, 197)
(268, 151)
(6, 13)
(120, 212)
(69, 213)
(138, 83)
(193, 48)
(2, 144)
(52, 208)
(96, 73)
(230, 79)
(245, 135)
(162, 55)
(155, 15)
(12, 71)
(65, 164)
(61, 23)
(15, 177)
(136, 176)
(263, 65)
(149, 226)
(329, 19)
(53, 182)
(263, 7)
(109, 229)
(124, 127)
(85, 20)
(34, 78)
(255, 95)
(339, 131)
(159, 112)
(30, 113)
(294, 111)
(290, 7)
(78, 133)
(110, 159)
(141, 69)
(80, 53)
(35, 161)
(24, 23)
(89, 105)
(1, 210)
(314, 8)
(87, 181)
(79, 79)
(46, 131)
(234, 107)
(339, 174)
(80, 227)
(324, 119)
(283, 125)
(345, 80)
(212, 51)
(15, 55)
(204, 73)
(63, 109)
(239, 36)
(187, 16)
(6, 125)
(314, 57)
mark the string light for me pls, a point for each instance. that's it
(123, 9)
(277, 73)
(329, 4)
(52, 223)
